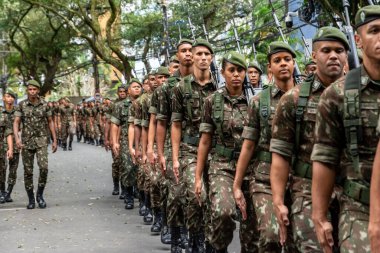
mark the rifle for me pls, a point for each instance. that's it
(297, 72)
(192, 28)
(350, 34)
(248, 90)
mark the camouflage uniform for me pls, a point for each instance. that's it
(66, 113)
(258, 129)
(221, 172)
(13, 163)
(96, 115)
(89, 116)
(5, 130)
(283, 143)
(331, 142)
(79, 127)
(34, 119)
(188, 112)
(116, 170)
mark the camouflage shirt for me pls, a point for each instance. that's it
(234, 118)
(330, 139)
(66, 113)
(11, 117)
(120, 116)
(5, 129)
(180, 112)
(138, 114)
(284, 123)
(145, 105)
(154, 100)
(34, 119)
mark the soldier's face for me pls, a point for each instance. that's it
(311, 68)
(32, 91)
(368, 39)
(135, 90)
(8, 99)
(122, 93)
(330, 57)
(185, 55)
(254, 76)
(152, 82)
(146, 86)
(173, 67)
(160, 79)
(282, 66)
(234, 75)
(202, 57)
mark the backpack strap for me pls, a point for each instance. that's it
(218, 113)
(264, 105)
(188, 98)
(352, 120)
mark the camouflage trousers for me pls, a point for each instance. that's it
(115, 166)
(28, 162)
(155, 186)
(66, 133)
(145, 169)
(128, 169)
(89, 130)
(96, 132)
(176, 198)
(3, 170)
(141, 177)
(13, 165)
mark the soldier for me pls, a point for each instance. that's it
(310, 67)
(67, 119)
(173, 65)
(348, 113)
(257, 135)
(187, 103)
(223, 116)
(254, 74)
(293, 137)
(9, 110)
(79, 130)
(36, 118)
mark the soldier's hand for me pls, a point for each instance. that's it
(107, 145)
(162, 162)
(132, 152)
(116, 149)
(9, 154)
(176, 170)
(240, 202)
(54, 146)
(144, 159)
(324, 229)
(150, 155)
(198, 190)
(374, 236)
(19, 144)
(283, 221)
(138, 155)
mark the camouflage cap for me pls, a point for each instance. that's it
(328, 33)
(203, 42)
(134, 80)
(11, 93)
(279, 46)
(174, 59)
(33, 83)
(236, 59)
(366, 15)
(184, 41)
(254, 64)
(163, 71)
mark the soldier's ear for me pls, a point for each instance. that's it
(358, 40)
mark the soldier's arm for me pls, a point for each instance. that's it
(114, 133)
(176, 128)
(10, 146)
(16, 127)
(161, 136)
(52, 131)
(374, 211)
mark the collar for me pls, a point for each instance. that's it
(212, 82)
(317, 84)
(365, 79)
(39, 101)
(233, 99)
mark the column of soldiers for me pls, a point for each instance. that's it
(296, 160)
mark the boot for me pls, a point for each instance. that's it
(148, 217)
(209, 248)
(115, 187)
(2, 193)
(175, 240)
(129, 202)
(32, 202)
(184, 238)
(8, 194)
(157, 224)
(166, 236)
(122, 195)
(142, 204)
(70, 145)
(64, 146)
(92, 141)
(198, 243)
(136, 193)
(40, 198)
(79, 137)
(97, 142)
(59, 142)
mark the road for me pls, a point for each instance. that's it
(81, 214)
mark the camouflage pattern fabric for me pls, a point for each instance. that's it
(6, 128)
(67, 115)
(330, 143)
(42, 162)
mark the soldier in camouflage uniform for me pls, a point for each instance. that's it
(254, 74)
(97, 112)
(67, 118)
(55, 111)
(223, 117)
(36, 118)
(9, 110)
(187, 102)
(89, 115)
(6, 147)
(79, 126)
(257, 135)
(293, 138)
(342, 124)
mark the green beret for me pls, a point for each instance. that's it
(184, 41)
(174, 59)
(33, 83)
(163, 71)
(366, 15)
(279, 46)
(254, 64)
(135, 80)
(122, 86)
(11, 93)
(236, 59)
(329, 33)
(203, 42)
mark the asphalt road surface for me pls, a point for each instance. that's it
(81, 214)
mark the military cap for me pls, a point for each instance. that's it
(67, 100)
(33, 83)
(122, 86)
(329, 33)
(11, 93)
(235, 58)
(174, 59)
(203, 42)
(184, 41)
(367, 14)
(254, 64)
(135, 80)
(152, 73)
(163, 71)
(279, 46)
(310, 62)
